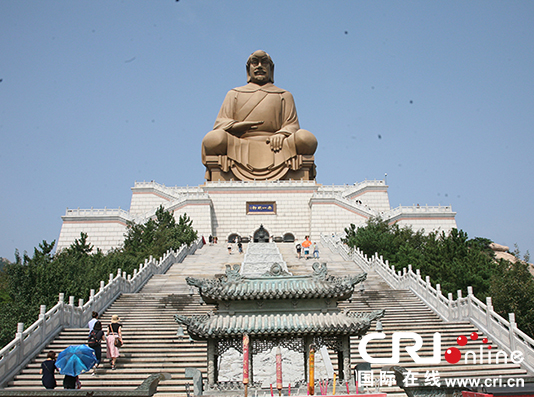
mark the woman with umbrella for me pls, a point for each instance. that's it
(75, 360)
(71, 382)
(114, 339)
(48, 369)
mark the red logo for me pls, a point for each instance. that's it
(453, 354)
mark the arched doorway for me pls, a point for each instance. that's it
(233, 238)
(289, 238)
(261, 235)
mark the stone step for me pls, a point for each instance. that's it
(152, 344)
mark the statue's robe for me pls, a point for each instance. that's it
(276, 108)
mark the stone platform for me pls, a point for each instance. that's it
(288, 210)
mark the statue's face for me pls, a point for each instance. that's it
(260, 70)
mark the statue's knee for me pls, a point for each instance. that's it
(215, 142)
(305, 142)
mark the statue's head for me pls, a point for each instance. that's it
(260, 68)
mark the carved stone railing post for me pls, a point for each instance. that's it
(449, 304)
(513, 326)
(61, 302)
(71, 310)
(469, 301)
(20, 338)
(42, 318)
(489, 309)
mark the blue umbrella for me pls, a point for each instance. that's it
(75, 360)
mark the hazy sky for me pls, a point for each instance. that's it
(95, 95)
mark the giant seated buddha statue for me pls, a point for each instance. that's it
(256, 135)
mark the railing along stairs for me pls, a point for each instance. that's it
(29, 342)
(505, 333)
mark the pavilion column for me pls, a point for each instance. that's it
(212, 362)
(251, 366)
(345, 349)
(251, 352)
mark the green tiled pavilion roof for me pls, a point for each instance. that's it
(274, 285)
(294, 324)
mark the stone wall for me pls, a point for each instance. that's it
(291, 211)
(105, 228)
(333, 216)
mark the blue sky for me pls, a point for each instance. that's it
(98, 94)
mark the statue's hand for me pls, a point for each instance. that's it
(243, 126)
(276, 142)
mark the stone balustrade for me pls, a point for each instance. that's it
(168, 190)
(346, 189)
(184, 199)
(127, 216)
(29, 342)
(504, 333)
(100, 212)
(268, 184)
(414, 209)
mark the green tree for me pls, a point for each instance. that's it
(38, 280)
(455, 262)
(157, 236)
(451, 260)
(512, 291)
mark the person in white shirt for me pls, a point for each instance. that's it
(92, 322)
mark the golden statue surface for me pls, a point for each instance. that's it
(257, 135)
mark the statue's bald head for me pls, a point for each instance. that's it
(260, 68)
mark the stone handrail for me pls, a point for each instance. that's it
(341, 200)
(415, 209)
(137, 218)
(98, 212)
(170, 192)
(340, 197)
(162, 187)
(169, 206)
(28, 342)
(347, 190)
(504, 333)
(261, 183)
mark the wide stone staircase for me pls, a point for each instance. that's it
(153, 344)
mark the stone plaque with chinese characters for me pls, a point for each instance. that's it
(261, 208)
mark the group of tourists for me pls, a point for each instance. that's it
(239, 247)
(307, 246)
(113, 339)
